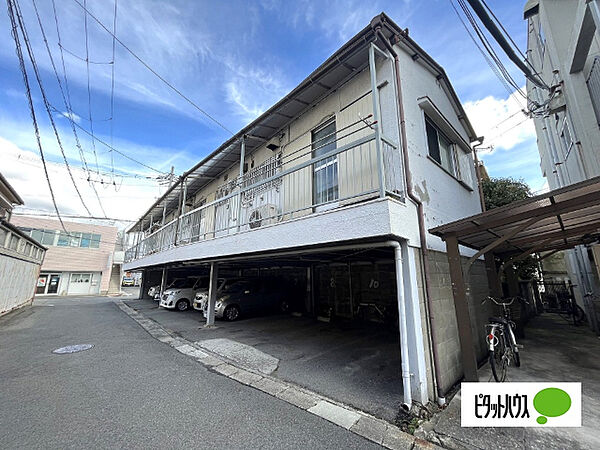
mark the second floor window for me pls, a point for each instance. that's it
(325, 172)
(441, 149)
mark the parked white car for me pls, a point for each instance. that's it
(201, 299)
(154, 291)
(181, 294)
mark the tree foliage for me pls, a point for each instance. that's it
(503, 191)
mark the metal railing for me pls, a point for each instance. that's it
(298, 185)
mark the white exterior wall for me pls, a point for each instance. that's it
(552, 37)
(552, 51)
(445, 199)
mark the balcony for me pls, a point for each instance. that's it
(354, 164)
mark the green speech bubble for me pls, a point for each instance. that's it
(552, 402)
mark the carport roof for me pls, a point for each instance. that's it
(557, 220)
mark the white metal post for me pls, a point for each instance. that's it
(416, 341)
(242, 158)
(212, 294)
(377, 119)
(163, 282)
(404, 352)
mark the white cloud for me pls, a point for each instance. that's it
(24, 170)
(501, 121)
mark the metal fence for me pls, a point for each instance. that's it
(289, 186)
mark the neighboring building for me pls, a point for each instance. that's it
(20, 255)
(80, 262)
(563, 46)
(316, 190)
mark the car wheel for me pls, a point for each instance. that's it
(231, 313)
(182, 305)
(284, 306)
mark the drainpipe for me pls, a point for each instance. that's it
(420, 214)
(404, 358)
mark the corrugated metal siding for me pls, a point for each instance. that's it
(17, 282)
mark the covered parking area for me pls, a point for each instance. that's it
(563, 219)
(350, 332)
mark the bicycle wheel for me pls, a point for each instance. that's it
(499, 360)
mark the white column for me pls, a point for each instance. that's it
(416, 342)
(163, 282)
(212, 294)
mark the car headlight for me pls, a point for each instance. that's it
(218, 304)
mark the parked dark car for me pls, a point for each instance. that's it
(243, 297)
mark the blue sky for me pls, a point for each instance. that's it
(234, 59)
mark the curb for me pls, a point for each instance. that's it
(354, 420)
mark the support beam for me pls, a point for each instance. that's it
(512, 233)
(494, 284)
(461, 307)
(416, 345)
(212, 294)
(376, 119)
(404, 353)
(163, 281)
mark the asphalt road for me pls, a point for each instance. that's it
(131, 391)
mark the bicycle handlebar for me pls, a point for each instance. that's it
(506, 303)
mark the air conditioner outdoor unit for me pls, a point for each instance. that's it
(263, 215)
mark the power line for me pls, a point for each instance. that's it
(499, 37)
(489, 49)
(487, 59)
(112, 91)
(110, 146)
(147, 66)
(46, 103)
(15, 34)
(89, 92)
(67, 93)
(508, 129)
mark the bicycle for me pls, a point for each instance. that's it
(503, 347)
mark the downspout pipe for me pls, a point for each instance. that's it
(404, 360)
(441, 397)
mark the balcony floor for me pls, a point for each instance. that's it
(379, 218)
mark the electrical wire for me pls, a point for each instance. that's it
(110, 146)
(489, 48)
(44, 97)
(67, 94)
(154, 72)
(112, 93)
(514, 44)
(89, 91)
(15, 34)
(487, 59)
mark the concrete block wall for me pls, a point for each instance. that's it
(448, 344)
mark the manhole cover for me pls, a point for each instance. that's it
(73, 348)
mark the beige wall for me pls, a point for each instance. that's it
(448, 344)
(73, 259)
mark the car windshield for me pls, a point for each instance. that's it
(179, 283)
(236, 286)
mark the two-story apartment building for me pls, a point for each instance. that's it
(79, 261)
(20, 256)
(563, 47)
(340, 179)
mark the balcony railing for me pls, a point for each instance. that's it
(295, 185)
